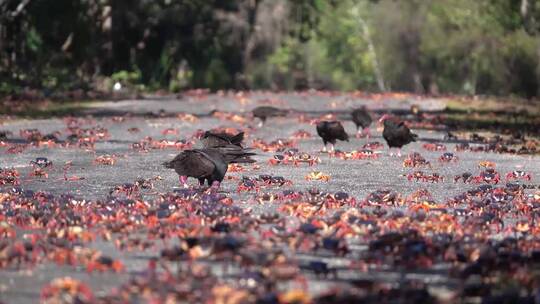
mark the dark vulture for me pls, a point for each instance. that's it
(330, 132)
(209, 164)
(265, 112)
(361, 118)
(396, 133)
(213, 140)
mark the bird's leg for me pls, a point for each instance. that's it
(324, 148)
(399, 152)
(367, 131)
(358, 132)
(183, 181)
(332, 148)
(260, 124)
(201, 182)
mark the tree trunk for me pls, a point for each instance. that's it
(373, 53)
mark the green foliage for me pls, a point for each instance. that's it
(451, 46)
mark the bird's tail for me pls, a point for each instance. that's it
(235, 154)
(237, 139)
(284, 112)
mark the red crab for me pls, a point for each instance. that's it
(434, 147)
(374, 145)
(104, 263)
(276, 145)
(61, 289)
(301, 134)
(365, 154)
(518, 174)
(9, 177)
(489, 176)
(419, 175)
(415, 160)
(294, 158)
(448, 157)
(317, 175)
(39, 172)
(169, 131)
(465, 177)
(105, 159)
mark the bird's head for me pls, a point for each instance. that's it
(415, 109)
(384, 118)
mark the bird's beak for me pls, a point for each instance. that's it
(383, 118)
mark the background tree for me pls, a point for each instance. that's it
(452, 46)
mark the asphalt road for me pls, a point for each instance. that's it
(356, 177)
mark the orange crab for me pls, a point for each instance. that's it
(301, 134)
(305, 158)
(61, 288)
(105, 159)
(104, 263)
(486, 164)
(39, 172)
(425, 206)
(318, 175)
(415, 160)
(187, 117)
(434, 147)
(169, 131)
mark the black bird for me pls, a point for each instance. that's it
(396, 133)
(330, 131)
(361, 118)
(213, 140)
(264, 112)
(209, 164)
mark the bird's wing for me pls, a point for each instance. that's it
(321, 129)
(193, 163)
(216, 157)
(214, 140)
(235, 154)
(237, 139)
(337, 131)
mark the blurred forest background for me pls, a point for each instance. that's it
(427, 47)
